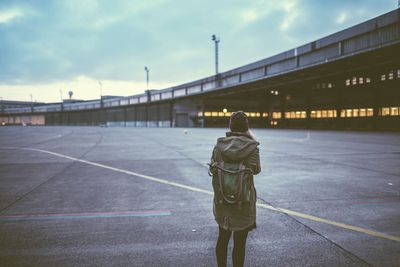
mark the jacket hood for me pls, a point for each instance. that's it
(236, 147)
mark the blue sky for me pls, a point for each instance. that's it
(48, 46)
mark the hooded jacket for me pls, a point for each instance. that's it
(236, 147)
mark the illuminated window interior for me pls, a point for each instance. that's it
(265, 114)
(227, 114)
(383, 77)
(276, 115)
(356, 112)
(389, 111)
(329, 113)
(295, 115)
(358, 80)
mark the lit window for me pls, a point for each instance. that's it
(398, 73)
(214, 114)
(370, 112)
(200, 114)
(355, 112)
(313, 114)
(363, 112)
(221, 114)
(385, 111)
(330, 85)
(324, 113)
(265, 114)
(394, 111)
(343, 113)
(228, 114)
(391, 75)
(361, 80)
(354, 80)
(258, 114)
(347, 82)
(207, 114)
(368, 80)
(349, 112)
(287, 115)
(276, 115)
(303, 115)
(319, 114)
(330, 113)
(383, 77)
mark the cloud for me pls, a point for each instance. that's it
(6, 16)
(341, 18)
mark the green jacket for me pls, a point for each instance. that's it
(236, 147)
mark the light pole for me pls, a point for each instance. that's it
(31, 102)
(216, 41)
(147, 76)
(101, 94)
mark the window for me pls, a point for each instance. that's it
(214, 114)
(394, 111)
(368, 80)
(200, 114)
(390, 76)
(363, 112)
(354, 80)
(207, 114)
(383, 77)
(347, 82)
(265, 114)
(276, 115)
(361, 80)
(370, 112)
(398, 73)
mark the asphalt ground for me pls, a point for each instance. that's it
(90, 196)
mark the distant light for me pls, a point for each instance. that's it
(224, 110)
(276, 92)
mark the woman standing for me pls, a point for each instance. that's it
(237, 216)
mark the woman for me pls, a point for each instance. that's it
(239, 146)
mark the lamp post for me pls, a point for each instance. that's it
(147, 77)
(101, 94)
(216, 41)
(31, 102)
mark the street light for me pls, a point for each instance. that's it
(101, 89)
(147, 76)
(31, 102)
(216, 41)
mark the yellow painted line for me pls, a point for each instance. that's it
(195, 189)
(338, 224)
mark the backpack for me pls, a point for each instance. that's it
(231, 182)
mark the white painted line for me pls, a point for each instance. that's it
(195, 189)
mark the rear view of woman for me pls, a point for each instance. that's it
(234, 160)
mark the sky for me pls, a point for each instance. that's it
(48, 48)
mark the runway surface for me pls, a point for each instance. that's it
(90, 196)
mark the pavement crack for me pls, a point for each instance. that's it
(3, 210)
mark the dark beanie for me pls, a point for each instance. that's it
(239, 122)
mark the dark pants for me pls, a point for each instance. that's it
(239, 247)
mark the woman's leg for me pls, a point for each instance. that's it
(239, 248)
(221, 249)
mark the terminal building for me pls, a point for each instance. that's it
(347, 80)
